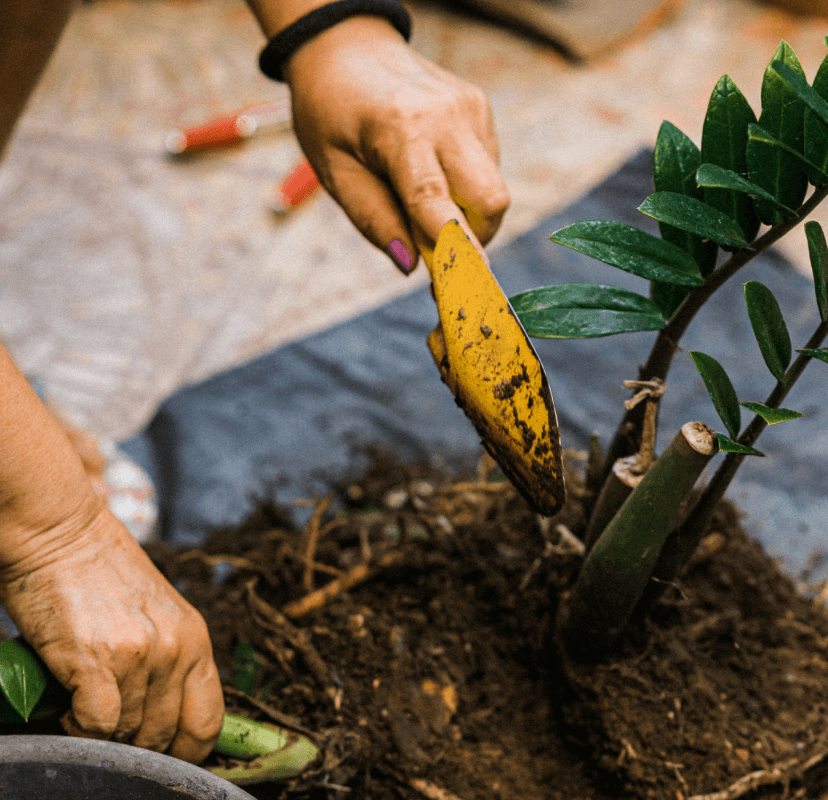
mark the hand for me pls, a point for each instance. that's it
(113, 631)
(403, 146)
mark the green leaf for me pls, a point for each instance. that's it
(709, 175)
(772, 416)
(769, 328)
(675, 161)
(793, 77)
(756, 133)
(246, 665)
(816, 128)
(632, 250)
(693, 216)
(783, 117)
(584, 310)
(729, 446)
(724, 143)
(822, 355)
(721, 390)
(818, 251)
(22, 677)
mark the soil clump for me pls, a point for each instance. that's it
(409, 627)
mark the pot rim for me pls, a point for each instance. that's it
(122, 758)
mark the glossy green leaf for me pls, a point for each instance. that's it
(709, 175)
(816, 128)
(675, 161)
(693, 216)
(822, 354)
(724, 143)
(756, 133)
(818, 251)
(783, 117)
(721, 391)
(729, 446)
(772, 416)
(792, 75)
(769, 328)
(631, 250)
(584, 310)
(22, 677)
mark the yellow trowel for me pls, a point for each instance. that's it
(488, 362)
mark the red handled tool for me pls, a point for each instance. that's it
(230, 129)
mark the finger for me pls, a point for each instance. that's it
(423, 188)
(202, 713)
(96, 707)
(161, 714)
(372, 206)
(477, 187)
(133, 688)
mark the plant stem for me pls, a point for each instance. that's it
(685, 539)
(277, 754)
(618, 486)
(618, 569)
(627, 437)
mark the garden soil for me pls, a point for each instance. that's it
(409, 628)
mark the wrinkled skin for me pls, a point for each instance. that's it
(135, 654)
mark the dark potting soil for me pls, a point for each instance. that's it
(435, 675)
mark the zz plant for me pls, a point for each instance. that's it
(710, 203)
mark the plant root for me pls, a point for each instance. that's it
(312, 536)
(786, 772)
(273, 620)
(276, 716)
(320, 597)
(430, 790)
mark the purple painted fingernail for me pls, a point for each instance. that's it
(400, 256)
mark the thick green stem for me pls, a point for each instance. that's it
(628, 435)
(617, 571)
(685, 539)
(614, 493)
(276, 753)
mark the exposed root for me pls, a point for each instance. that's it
(273, 620)
(429, 790)
(360, 573)
(786, 772)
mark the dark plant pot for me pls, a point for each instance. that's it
(68, 768)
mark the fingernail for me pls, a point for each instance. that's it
(400, 256)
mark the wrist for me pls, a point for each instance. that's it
(326, 51)
(29, 542)
(274, 17)
(319, 19)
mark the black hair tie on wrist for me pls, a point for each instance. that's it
(287, 42)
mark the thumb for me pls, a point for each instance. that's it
(96, 707)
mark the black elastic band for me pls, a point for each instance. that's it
(287, 42)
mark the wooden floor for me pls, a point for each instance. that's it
(124, 274)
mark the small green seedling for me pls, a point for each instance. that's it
(710, 204)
